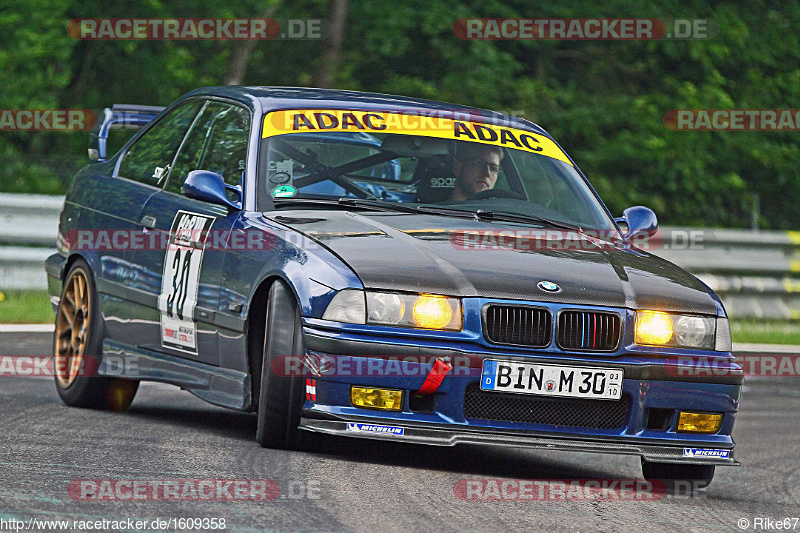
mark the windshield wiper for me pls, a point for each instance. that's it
(377, 204)
(374, 205)
(508, 216)
(403, 208)
(480, 214)
(505, 216)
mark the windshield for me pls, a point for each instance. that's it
(448, 163)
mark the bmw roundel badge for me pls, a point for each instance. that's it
(548, 286)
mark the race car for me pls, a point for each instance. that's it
(383, 267)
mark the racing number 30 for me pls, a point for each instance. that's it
(181, 278)
(180, 283)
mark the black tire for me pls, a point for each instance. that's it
(679, 476)
(280, 399)
(84, 389)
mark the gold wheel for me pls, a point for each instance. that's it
(72, 328)
(77, 348)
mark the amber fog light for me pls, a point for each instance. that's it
(699, 422)
(372, 398)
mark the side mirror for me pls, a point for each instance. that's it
(639, 220)
(209, 187)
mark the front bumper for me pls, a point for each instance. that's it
(442, 436)
(650, 383)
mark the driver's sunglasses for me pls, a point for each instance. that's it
(482, 164)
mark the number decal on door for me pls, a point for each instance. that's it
(181, 279)
(177, 298)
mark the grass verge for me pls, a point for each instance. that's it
(766, 331)
(25, 307)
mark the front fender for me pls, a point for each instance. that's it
(312, 271)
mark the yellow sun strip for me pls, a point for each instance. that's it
(342, 120)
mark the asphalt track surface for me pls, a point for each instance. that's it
(359, 485)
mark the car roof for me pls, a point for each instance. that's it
(276, 98)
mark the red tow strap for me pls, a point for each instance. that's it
(435, 377)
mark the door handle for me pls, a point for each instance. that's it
(148, 222)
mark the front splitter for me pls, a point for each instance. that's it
(444, 437)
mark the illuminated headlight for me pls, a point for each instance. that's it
(654, 328)
(428, 311)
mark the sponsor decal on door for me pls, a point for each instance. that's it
(180, 282)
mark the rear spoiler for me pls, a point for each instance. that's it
(118, 116)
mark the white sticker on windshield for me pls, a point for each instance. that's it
(280, 172)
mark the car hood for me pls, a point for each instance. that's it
(428, 253)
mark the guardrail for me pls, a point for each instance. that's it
(28, 229)
(757, 274)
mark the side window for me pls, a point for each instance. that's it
(217, 142)
(148, 160)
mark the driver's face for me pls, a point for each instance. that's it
(476, 175)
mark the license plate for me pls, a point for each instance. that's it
(552, 380)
